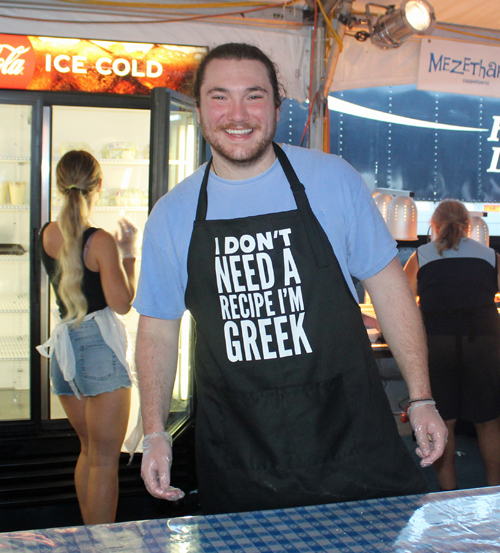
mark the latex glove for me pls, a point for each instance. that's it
(155, 469)
(430, 431)
(128, 238)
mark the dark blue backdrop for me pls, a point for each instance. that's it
(434, 164)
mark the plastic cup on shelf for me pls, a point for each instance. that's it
(4, 193)
(135, 197)
(16, 190)
(121, 197)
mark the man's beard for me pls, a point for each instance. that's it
(244, 157)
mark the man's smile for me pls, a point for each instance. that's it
(238, 132)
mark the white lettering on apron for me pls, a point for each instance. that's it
(263, 319)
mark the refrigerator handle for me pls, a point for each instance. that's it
(159, 144)
(35, 262)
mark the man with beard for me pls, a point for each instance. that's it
(260, 245)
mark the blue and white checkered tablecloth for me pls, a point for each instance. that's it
(452, 522)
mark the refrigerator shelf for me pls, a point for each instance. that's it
(110, 208)
(114, 208)
(22, 207)
(108, 161)
(14, 348)
(15, 159)
(25, 257)
(14, 303)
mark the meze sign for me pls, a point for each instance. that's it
(463, 68)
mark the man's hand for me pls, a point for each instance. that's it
(430, 431)
(155, 469)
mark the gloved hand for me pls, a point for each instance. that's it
(430, 431)
(128, 238)
(155, 469)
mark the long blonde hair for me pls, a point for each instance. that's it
(450, 221)
(78, 174)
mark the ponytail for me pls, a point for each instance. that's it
(451, 221)
(78, 175)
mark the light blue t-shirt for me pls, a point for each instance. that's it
(339, 198)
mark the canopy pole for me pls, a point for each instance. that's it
(323, 77)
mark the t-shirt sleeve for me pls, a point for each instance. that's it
(160, 292)
(370, 245)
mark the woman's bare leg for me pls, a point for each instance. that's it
(107, 418)
(100, 422)
(488, 436)
(75, 411)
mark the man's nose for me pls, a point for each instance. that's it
(238, 111)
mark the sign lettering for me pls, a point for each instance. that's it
(462, 68)
(45, 63)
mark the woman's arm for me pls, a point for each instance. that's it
(118, 278)
(411, 270)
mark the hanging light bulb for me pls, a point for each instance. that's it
(418, 15)
(478, 230)
(402, 218)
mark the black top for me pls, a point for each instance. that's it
(458, 288)
(91, 285)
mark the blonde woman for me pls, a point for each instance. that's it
(93, 277)
(456, 279)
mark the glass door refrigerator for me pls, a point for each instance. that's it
(145, 146)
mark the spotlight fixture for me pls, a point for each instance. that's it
(413, 17)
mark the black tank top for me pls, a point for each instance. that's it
(458, 288)
(91, 284)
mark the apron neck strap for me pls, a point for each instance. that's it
(299, 193)
(201, 210)
(289, 171)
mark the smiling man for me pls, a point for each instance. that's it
(260, 245)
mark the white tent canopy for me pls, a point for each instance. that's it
(279, 31)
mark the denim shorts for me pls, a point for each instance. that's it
(97, 368)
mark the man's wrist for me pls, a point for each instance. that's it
(419, 403)
(163, 433)
(416, 400)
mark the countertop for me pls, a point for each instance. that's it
(459, 521)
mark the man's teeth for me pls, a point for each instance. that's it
(239, 131)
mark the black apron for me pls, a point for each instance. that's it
(291, 410)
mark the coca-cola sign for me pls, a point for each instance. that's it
(46, 63)
(17, 61)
